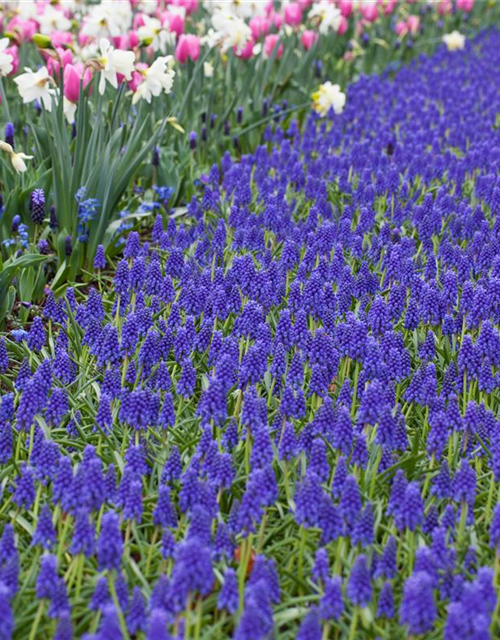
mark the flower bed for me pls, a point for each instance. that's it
(117, 102)
(276, 416)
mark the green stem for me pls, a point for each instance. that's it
(121, 617)
(187, 615)
(302, 547)
(354, 624)
(199, 612)
(150, 552)
(36, 621)
(463, 521)
(246, 551)
(326, 631)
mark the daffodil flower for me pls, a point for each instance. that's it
(36, 86)
(17, 159)
(6, 60)
(454, 41)
(113, 61)
(157, 78)
(328, 96)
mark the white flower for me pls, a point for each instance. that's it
(114, 61)
(53, 20)
(151, 31)
(329, 15)
(17, 159)
(328, 96)
(5, 58)
(177, 11)
(108, 19)
(36, 86)
(69, 109)
(211, 39)
(240, 8)
(454, 41)
(157, 78)
(233, 32)
(26, 10)
(257, 50)
(208, 70)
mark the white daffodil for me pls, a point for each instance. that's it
(157, 78)
(108, 19)
(36, 86)
(328, 96)
(233, 32)
(240, 8)
(114, 61)
(5, 58)
(69, 109)
(17, 159)
(26, 9)
(53, 20)
(208, 69)
(454, 41)
(328, 14)
(150, 32)
(211, 39)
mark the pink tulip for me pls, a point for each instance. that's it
(247, 52)
(82, 39)
(25, 29)
(276, 19)
(345, 7)
(189, 5)
(444, 7)
(401, 29)
(259, 26)
(53, 65)
(175, 24)
(342, 26)
(187, 47)
(71, 83)
(305, 3)
(308, 38)
(61, 38)
(137, 77)
(413, 24)
(66, 56)
(369, 11)
(270, 44)
(133, 40)
(40, 6)
(293, 14)
(465, 5)
(120, 42)
(73, 74)
(388, 6)
(138, 21)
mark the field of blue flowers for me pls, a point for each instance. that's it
(272, 413)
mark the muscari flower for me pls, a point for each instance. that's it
(418, 607)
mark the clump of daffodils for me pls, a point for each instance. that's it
(156, 78)
(454, 41)
(328, 96)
